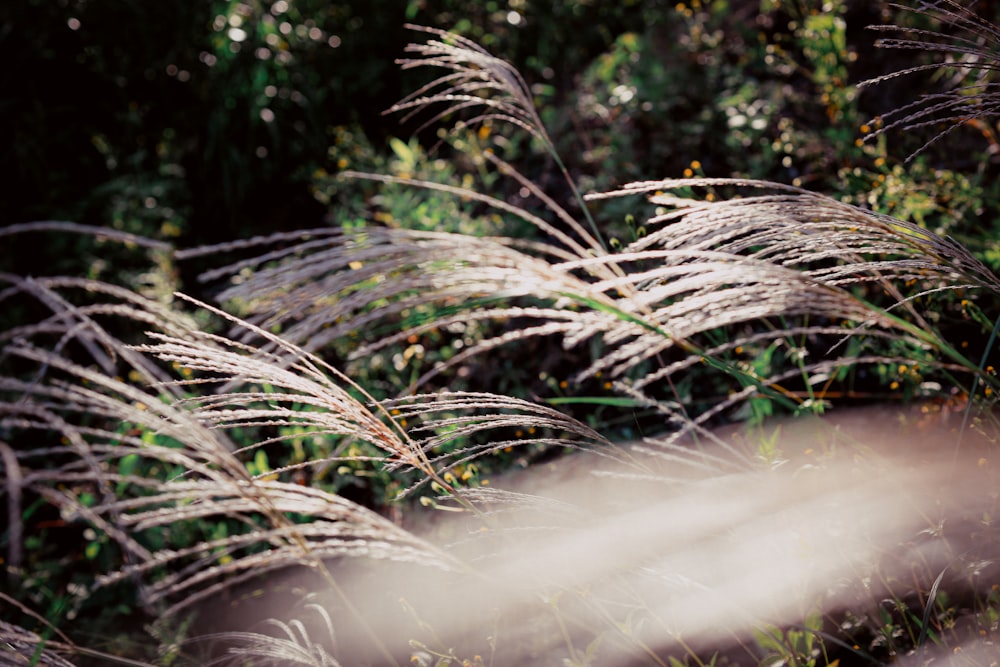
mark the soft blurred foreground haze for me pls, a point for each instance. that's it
(867, 502)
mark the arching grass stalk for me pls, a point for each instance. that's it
(88, 407)
(540, 223)
(304, 368)
(478, 80)
(12, 636)
(402, 445)
(972, 51)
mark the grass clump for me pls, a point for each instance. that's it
(202, 465)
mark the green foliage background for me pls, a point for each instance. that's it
(202, 122)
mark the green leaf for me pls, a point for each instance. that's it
(770, 639)
(614, 401)
(126, 466)
(406, 154)
(260, 463)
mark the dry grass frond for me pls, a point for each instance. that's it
(787, 254)
(477, 79)
(341, 285)
(300, 393)
(294, 383)
(833, 243)
(257, 648)
(20, 647)
(451, 419)
(799, 229)
(73, 408)
(84, 313)
(97, 418)
(97, 233)
(336, 528)
(187, 472)
(13, 484)
(793, 253)
(295, 646)
(972, 56)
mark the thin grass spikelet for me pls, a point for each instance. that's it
(971, 50)
(477, 79)
(489, 86)
(24, 647)
(292, 642)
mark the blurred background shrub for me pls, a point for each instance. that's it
(208, 120)
(202, 122)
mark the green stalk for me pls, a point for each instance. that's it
(688, 347)
(576, 192)
(975, 384)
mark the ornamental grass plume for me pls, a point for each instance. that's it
(970, 45)
(704, 266)
(21, 643)
(681, 543)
